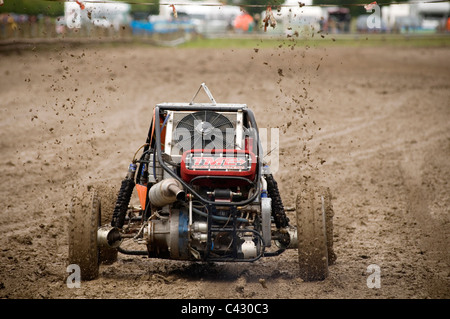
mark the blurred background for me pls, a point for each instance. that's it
(176, 22)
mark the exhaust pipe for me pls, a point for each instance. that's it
(166, 192)
(108, 236)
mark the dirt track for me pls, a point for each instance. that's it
(370, 123)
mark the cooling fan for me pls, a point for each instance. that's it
(204, 130)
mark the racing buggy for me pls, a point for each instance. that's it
(205, 194)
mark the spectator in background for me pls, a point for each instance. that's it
(12, 23)
(244, 22)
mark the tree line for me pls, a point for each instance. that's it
(55, 8)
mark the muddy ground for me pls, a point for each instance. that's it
(372, 123)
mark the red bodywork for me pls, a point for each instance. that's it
(217, 163)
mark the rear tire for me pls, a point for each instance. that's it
(329, 214)
(83, 224)
(312, 236)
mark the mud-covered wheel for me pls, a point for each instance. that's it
(107, 195)
(329, 214)
(312, 234)
(83, 224)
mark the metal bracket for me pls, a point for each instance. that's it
(207, 91)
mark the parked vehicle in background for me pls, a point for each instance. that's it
(209, 20)
(97, 13)
(416, 17)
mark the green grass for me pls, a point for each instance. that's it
(263, 41)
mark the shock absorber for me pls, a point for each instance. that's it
(123, 199)
(279, 215)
